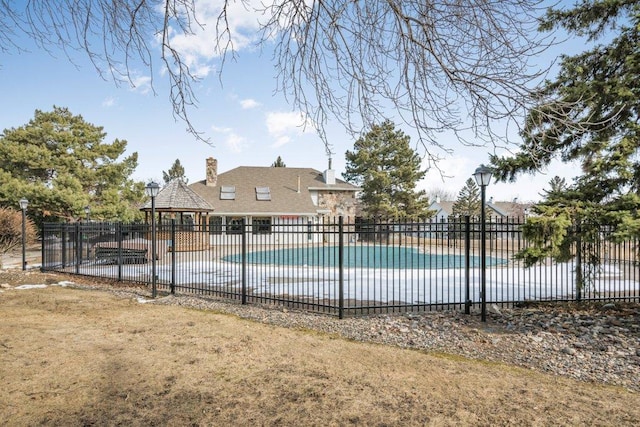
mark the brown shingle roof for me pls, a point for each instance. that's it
(501, 209)
(510, 209)
(288, 197)
(176, 196)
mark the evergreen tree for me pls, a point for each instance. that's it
(59, 162)
(175, 172)
(468, 201)
(588, 114)
(278, 163)
(557, 187)
(552, 230)
(388, 170)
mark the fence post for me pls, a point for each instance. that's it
(341, 267)
(467, 264)
(64, 245)
(579, 278)
(244, 260)
(78, 248)
(119, 240)
(42, 262)
(173, 256)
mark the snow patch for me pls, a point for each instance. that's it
(64, 283)
(30, 287)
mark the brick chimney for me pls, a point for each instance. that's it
(212, 172)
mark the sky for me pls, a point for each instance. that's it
(247, 122)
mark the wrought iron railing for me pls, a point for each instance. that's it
(340, 268)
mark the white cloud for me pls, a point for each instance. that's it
(141, 84)
(109, 102)
(234, 142)
(283, 126)
(451, 173)
(221, 129)
(282, 140)
(199, 48)
(248, 104)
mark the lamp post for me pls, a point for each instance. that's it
(87, 211)
(152, 189)
(23, 205)
(482, 176)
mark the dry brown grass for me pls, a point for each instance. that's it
(77, 357)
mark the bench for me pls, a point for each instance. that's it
(110, 255)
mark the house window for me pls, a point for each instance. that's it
(227, 192)
(215, 225)
(234, 225)
(263, 193)
(261, 225)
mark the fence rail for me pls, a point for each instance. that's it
(340, 268)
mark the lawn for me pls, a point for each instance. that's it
(79, 357)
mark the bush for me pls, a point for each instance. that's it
(11, 230)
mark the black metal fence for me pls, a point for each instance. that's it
(340, 268)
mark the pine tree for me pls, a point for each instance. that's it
(175, 172)
(588, 114)
(61, 164)
(278, 163)
(557, 187)
(468, 202)
(388, 170)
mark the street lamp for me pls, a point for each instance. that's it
(482, 176)
(87, 210)
(152, 189)
(23, 205)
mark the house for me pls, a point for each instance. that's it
(513, 209)
(267, 197)
(495, 210)
(499, 215)
(442, 209)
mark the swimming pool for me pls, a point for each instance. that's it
(361, 257)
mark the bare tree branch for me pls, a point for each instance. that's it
(440, 66)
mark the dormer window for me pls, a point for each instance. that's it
(227, 192)
(263, 193)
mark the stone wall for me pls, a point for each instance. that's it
(339, 203)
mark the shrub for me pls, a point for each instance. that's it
(11, 230)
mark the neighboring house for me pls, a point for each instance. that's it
(443, 209)
(500, 214)
(513, 209)
(266, 197)
(495, 210)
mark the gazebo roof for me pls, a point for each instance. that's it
(177, 197)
